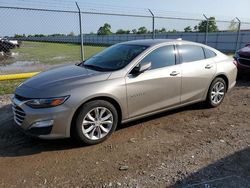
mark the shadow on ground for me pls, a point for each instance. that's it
(243, 81)
(229, 172)
(14, 143)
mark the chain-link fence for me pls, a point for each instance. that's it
(35, 39)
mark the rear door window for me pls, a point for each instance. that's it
(190, 53)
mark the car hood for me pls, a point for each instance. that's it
(245, 51)
(65, 76)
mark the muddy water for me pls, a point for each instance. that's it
(9, 64)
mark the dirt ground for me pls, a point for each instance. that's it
(189, 147)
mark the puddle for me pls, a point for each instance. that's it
(26, 66)
(14, 54)
(18, 66)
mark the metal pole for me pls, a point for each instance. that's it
(206, 28)
(81, 37)
(153, 24)
(238, 34)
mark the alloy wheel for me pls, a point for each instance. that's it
(97, 123)
(218, 92)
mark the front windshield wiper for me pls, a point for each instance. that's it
(94, 67)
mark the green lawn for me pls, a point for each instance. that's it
(51, 53)
(8, 87)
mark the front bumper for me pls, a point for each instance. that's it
(47, 123)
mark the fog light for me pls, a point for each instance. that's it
(39, 124)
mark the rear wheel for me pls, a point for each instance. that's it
(95, 122)
(216, 92)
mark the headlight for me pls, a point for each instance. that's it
(46, 103)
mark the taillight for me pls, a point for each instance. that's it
(235, 62)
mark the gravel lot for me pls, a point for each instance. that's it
(189, 147)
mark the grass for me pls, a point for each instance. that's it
(8, 87)
(51, 53)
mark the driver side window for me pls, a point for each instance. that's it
(161, 57)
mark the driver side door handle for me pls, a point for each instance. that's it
(174, 73)
(208, 66)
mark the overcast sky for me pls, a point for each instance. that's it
(30, 22)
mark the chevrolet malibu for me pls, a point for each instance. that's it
(126, 81)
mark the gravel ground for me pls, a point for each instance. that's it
(190, 147)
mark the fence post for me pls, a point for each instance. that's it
(207, 23)
(153, 24)
(238, 34)
(80, 25)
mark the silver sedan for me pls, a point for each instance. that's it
(124, 82)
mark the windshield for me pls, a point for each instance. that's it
(114, 58)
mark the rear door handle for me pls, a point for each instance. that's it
(208, 66)
(174, 73)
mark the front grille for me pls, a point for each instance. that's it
(245, 62)
(244, 56)
(19, 114)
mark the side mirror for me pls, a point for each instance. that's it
(140, 68)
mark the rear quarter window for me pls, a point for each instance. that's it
(209, 53)
(190, 53)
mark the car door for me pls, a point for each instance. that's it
(197, 72)
(156, 88)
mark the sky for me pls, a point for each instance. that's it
(31, 22)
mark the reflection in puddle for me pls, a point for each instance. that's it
(18, 66)
(15, 54)
(9, 64)
(23, 63)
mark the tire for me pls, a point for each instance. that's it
(95, 122)
(216, 89)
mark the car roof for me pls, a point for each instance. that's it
(152, 42)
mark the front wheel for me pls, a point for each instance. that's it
(216, 92)
(95, 122)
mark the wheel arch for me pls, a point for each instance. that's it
(224, 77)
(105, 98)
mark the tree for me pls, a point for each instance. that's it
(196, 28)
(121, 31)
(188, 29)
(104, 30)
(19, 36)
(162, 30)
(142, 30)
(134, 31)
(212, 27)
(71, 33)
(57, 35)
(233, 26)
(172, 31)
